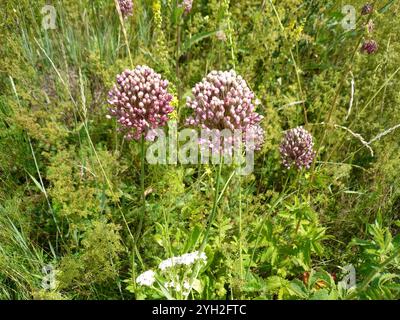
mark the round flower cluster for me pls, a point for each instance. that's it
(126, 7)
(297, 148)
(147, 278)
(367, 9)
(222, 100)
(369, 46)
(140, 102)
(187, 6)
(186, 259)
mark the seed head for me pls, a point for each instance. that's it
(297, 148)
(222, 100)
(369, 47)
(367, 9)
(187, 6)
(140, 102)
(126, 7)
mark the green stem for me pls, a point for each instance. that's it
(240, 229)
(336, 99)
(143, 198)
(217, 198)
(298, 225)
(214, 208)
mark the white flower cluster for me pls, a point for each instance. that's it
(147, 278)
(186, 259)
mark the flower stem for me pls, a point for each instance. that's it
(214, 208)
(240, 229)
(217, 198)
(143, 197)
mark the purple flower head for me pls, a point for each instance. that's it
(222, 100)
(140, 102)
(187, 6)
(126, 7)
(297, 148)
(367, 9)
(369, 46)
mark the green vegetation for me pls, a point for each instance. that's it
(71, 194)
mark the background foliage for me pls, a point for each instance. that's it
(69, 184)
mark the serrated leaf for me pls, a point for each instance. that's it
(298, 288)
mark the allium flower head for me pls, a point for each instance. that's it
(369, 46)
(140, 102)
(297, 148)
(187, 6)
(367, 9)
(126, 7)
(223, 100)
(147, 278)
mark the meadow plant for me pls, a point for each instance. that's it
(126, 7)
(223, 100)
(367, 9)
(140, 102)
(173, 279)
(369, 46)
(186, 259)
(146, 278)
(70, 184)
(297, 149)
(187, 6)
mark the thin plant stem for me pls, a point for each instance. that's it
(142, 191)
(240, 229)
(121, 20)
(336, 99)
(214, 208)
(217, 198)
(178, 52)
(296, 67)
(272, 208)
(88, 136)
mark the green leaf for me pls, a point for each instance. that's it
(37, 183)
(322, 294)
(197, 38)
(194, 237)
(387, 6)
(274, 283)
(298, 288)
